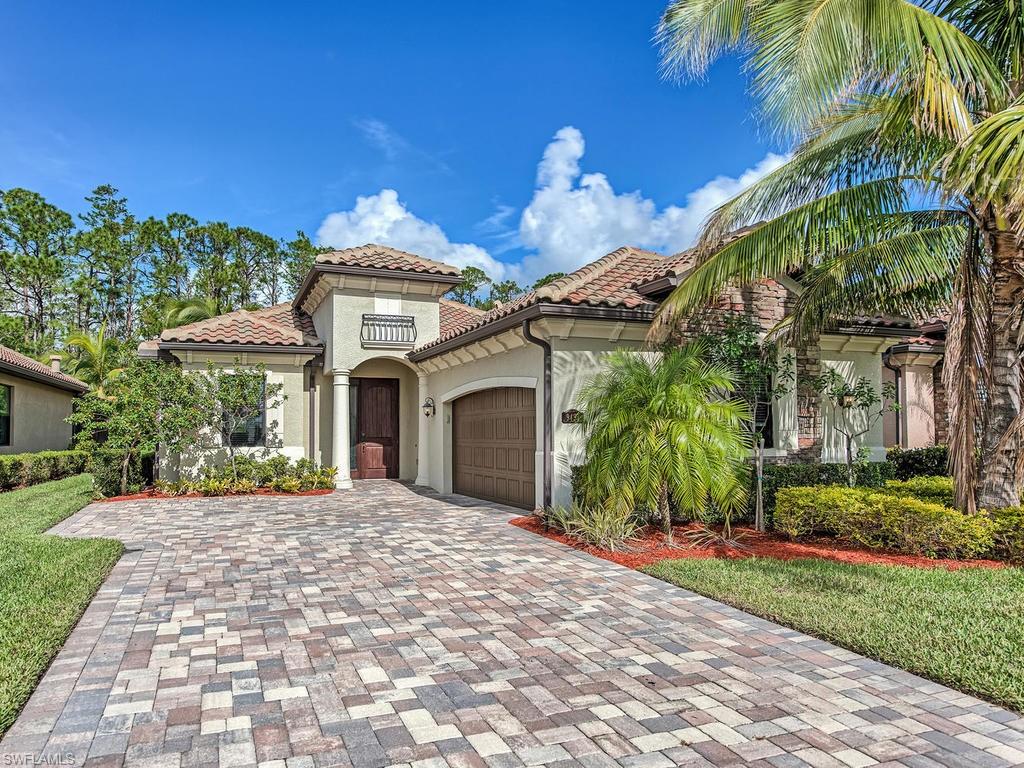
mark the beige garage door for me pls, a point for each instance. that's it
(494, 443)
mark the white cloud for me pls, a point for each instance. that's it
(382, 136)
(576, 217)
(383, 218)
(573, 217)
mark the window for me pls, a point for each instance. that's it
(5, 414)
(764, 414)
(248, 428)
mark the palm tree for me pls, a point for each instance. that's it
(904, 192)
(96, 358)
(660, 427)
(178, 312)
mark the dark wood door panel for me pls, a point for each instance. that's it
(494, 445)
(377, 429)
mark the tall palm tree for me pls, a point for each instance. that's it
(661, 426)
(904, 192)
(178, 312)
(95, 358)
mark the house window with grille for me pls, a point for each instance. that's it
(5, 414)
(246, 428)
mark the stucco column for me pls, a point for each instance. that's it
(340, 447)
(422, 443)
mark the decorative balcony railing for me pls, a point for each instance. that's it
(388, 331)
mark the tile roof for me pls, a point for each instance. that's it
(280, 325)
(373, 256)
(16, 362)
(606, 282)
(456, 316)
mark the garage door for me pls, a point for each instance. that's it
(494, 443)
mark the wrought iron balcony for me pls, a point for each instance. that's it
(388, 331)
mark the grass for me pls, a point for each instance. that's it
(46, 582)
(962, 628)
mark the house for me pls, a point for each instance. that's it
(384, 377)
(35, 402)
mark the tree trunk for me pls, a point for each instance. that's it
(996, 482)
(851, 477)
(124, 473)
(759, 502)
(666, 513)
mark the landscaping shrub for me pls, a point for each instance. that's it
(105, 467)
(601, 526)
(276, 473)
(881, 520)
(1008, 533)
(937, 490)
(917, 462)
(776, 476)
(22, 469)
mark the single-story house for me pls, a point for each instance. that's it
(384, 377)
(35, 402)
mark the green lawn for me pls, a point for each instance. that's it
(45, 583)
(962, 628)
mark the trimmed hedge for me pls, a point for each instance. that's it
(23, 469)
(936, 490)
(919, 462)
(880, 520)
(1008, 532)
(105, 467)
(777, 476)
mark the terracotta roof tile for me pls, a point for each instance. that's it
(455, 316)
(36, 370)
(281, 325)
(606, 282)
(373, 256)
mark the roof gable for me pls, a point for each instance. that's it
(374, 256)
(281, 325)
(18, 364)
(606, 282)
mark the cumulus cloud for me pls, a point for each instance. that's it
(572, 218)
(576, 217)
(383, 218)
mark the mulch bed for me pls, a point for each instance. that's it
(154, 494)
(650, 547)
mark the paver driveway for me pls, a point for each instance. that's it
(379, 626)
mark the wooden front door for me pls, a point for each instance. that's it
(376, 429)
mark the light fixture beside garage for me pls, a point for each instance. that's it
(428, 407)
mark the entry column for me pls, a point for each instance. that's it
(422, 444)
(342, 442)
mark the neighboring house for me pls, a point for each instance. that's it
(384, 377)
(35, 402)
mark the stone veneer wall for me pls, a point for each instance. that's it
(768, 302)
(941, 414)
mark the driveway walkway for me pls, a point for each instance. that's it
(379, 626)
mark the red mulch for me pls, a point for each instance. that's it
(154, 494)
(650, 547)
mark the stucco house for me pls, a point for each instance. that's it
(35, 402)
(385, 377)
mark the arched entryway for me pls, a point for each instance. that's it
(382, 420)
(494, 445)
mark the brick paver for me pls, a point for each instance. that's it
(381, 626)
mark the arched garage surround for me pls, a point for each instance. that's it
(496, 420)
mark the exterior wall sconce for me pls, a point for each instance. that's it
(847, 400)
(429, 409)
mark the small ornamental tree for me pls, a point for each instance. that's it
(855, 408)
(761, 377)
(150, 405)
(236, 398)
(663, 427)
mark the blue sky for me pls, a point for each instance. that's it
(521, 137)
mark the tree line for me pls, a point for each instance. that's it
(108, 269)
(480, 291)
